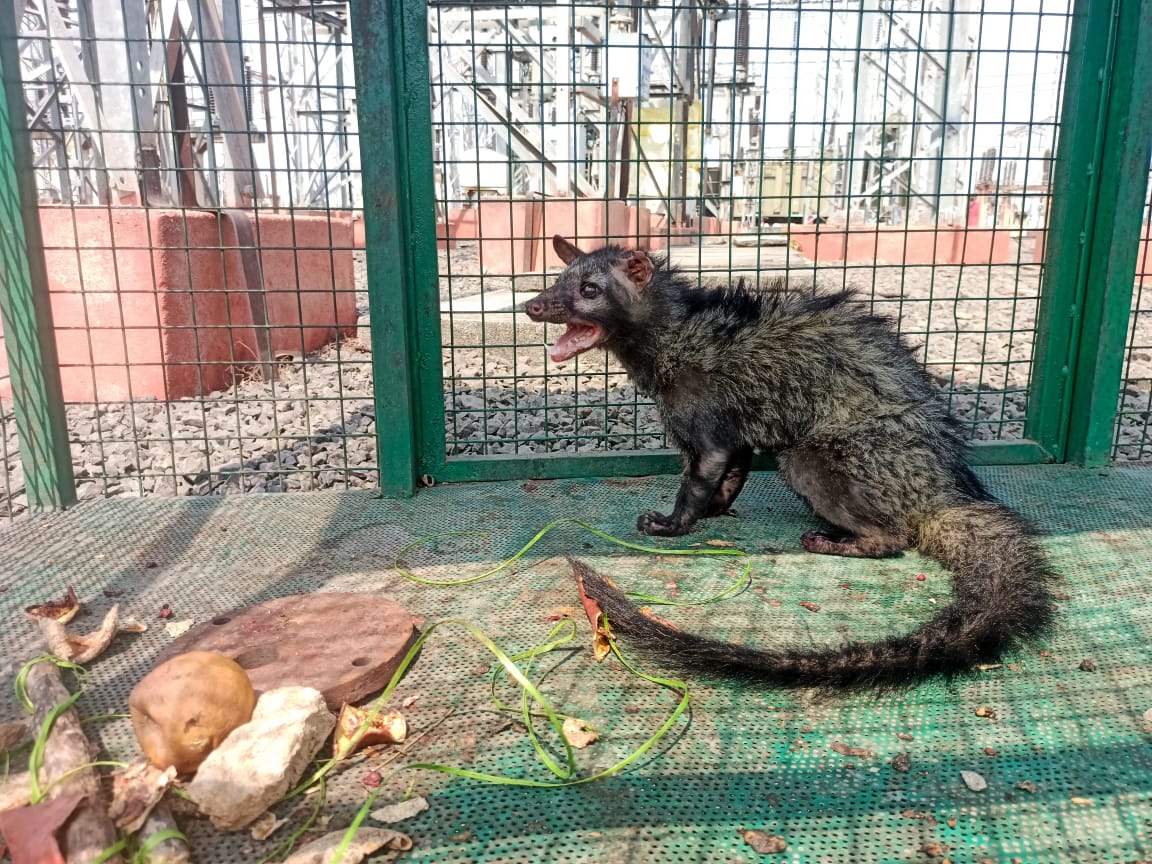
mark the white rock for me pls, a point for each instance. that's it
(974, 781)
(364, 843)
(258, 762)
(401, 810)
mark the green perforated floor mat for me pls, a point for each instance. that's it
(1067, 757)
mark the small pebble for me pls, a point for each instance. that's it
(1087, 666)
(974, 781)
(920, 577)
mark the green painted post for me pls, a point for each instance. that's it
(1069, 225)
(390, 225)
(1101, 165)
(1119, 215)
(24, 304)
(424, 273)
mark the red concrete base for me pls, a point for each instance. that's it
(508, 232)
(589, 223)
(1143, 252)
(663, 236)
(944, 245)
(152, 304)
(463, 223)
(444, 239)
(639, 226)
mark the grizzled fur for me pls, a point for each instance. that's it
(861, 435)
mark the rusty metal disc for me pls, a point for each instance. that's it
(347, 646)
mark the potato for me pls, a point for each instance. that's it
(185, 707)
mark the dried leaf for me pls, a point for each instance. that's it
(811, 607)
(400, 811)
(372, 779)
(985, 711)
(1028, 786)
(131, 625)
(763, 843)
(56, 635)
(904, 736)
(845, 750)
(409, 701)
(93, 645)
(15, 790)
(364, 843)
(1083, 802)
(62, 610)
(265, 826)
(935, 850)
(176, 629)
(30, 831)
(918, 814)
(1087, 666)
(578, 733)
(386, 727)
(12, 734)
(80, 649)
(601, 638)
(136, 789)
(561, 613)
(727, 544)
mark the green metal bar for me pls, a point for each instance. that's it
(24, 302)
(378, 54)
(415, 85)
(1075, 180)
(551, 466)
(1119, 214)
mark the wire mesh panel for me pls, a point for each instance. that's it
(197, 168)
(13, 500)
(1133, 443)
(903, 148)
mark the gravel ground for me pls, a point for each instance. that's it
(314, 427)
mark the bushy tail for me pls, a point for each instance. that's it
(1001, 597)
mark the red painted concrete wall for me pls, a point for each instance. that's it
(944, 245)
(152, 303)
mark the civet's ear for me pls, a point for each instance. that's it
(635, 270)
(565, 250)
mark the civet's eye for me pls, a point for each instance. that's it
(589, 290)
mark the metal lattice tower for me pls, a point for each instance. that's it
(181, 101)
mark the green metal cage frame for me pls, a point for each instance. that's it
(1101, 170)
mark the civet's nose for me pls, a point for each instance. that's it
(534, 308)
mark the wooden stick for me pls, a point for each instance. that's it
(173, 851)
(89, 832)
(15, 790)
